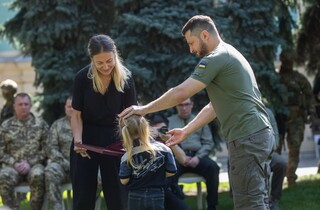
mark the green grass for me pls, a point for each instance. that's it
(304, 196)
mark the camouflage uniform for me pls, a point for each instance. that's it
(9, 88)
(58, 151)
(22, 140)
(298, 103)
(6, 112)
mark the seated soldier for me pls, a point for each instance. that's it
(58, 152)
(57, 171)
(22, 154)
(197, 148)
(8, 89)
(278, 167)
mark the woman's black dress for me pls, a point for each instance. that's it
(99, 115)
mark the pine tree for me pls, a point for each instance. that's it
(257, 35)
(308, 44)
(148, 34)
(55, 34)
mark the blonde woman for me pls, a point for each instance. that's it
(145, 165)
(101, 91)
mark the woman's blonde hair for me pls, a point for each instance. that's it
(120, 74)
(133, 128)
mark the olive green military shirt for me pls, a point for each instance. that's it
(233, 92)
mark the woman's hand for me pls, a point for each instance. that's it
(82, 152)
(79, 150)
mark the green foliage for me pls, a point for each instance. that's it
(285, 25)
(308, 44)
(150, 41)
(148, 35)
(255, 33)
(307, 191)
(55, 34)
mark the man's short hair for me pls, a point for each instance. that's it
(158, 118)
(198, 23)
(22, 95)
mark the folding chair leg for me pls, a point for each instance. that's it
(45, 203)
(69, 200)
(199, 196)
(98, 203)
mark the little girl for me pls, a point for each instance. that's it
(145, 165)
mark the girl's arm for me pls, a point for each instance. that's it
(167, 174)
(179, 154)
(125, 181)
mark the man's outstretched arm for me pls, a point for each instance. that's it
(171, 98)
(206, 115)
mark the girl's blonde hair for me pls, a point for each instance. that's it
(135, 128)
(120, 74)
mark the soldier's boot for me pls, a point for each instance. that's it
(274, 205)
(54, 196)
(57, 206)
(10, 201)
(22, 196)
(291, 183)
(37, 185)
(36, 201)
(291, 172)
(292, 180)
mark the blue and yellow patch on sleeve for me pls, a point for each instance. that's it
(202, 64)
(196, 73)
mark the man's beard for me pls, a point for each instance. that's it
(203, 50)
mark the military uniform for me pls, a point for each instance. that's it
(22, 140)
(9, 88)
(6, 112)
(297, 102)
(58, 151)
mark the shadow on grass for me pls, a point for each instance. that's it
(305, 195)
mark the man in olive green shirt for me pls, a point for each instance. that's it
(235, 100)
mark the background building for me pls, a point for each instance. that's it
(13, 65)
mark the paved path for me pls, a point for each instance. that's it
(308, 165)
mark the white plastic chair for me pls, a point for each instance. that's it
(194, 178)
